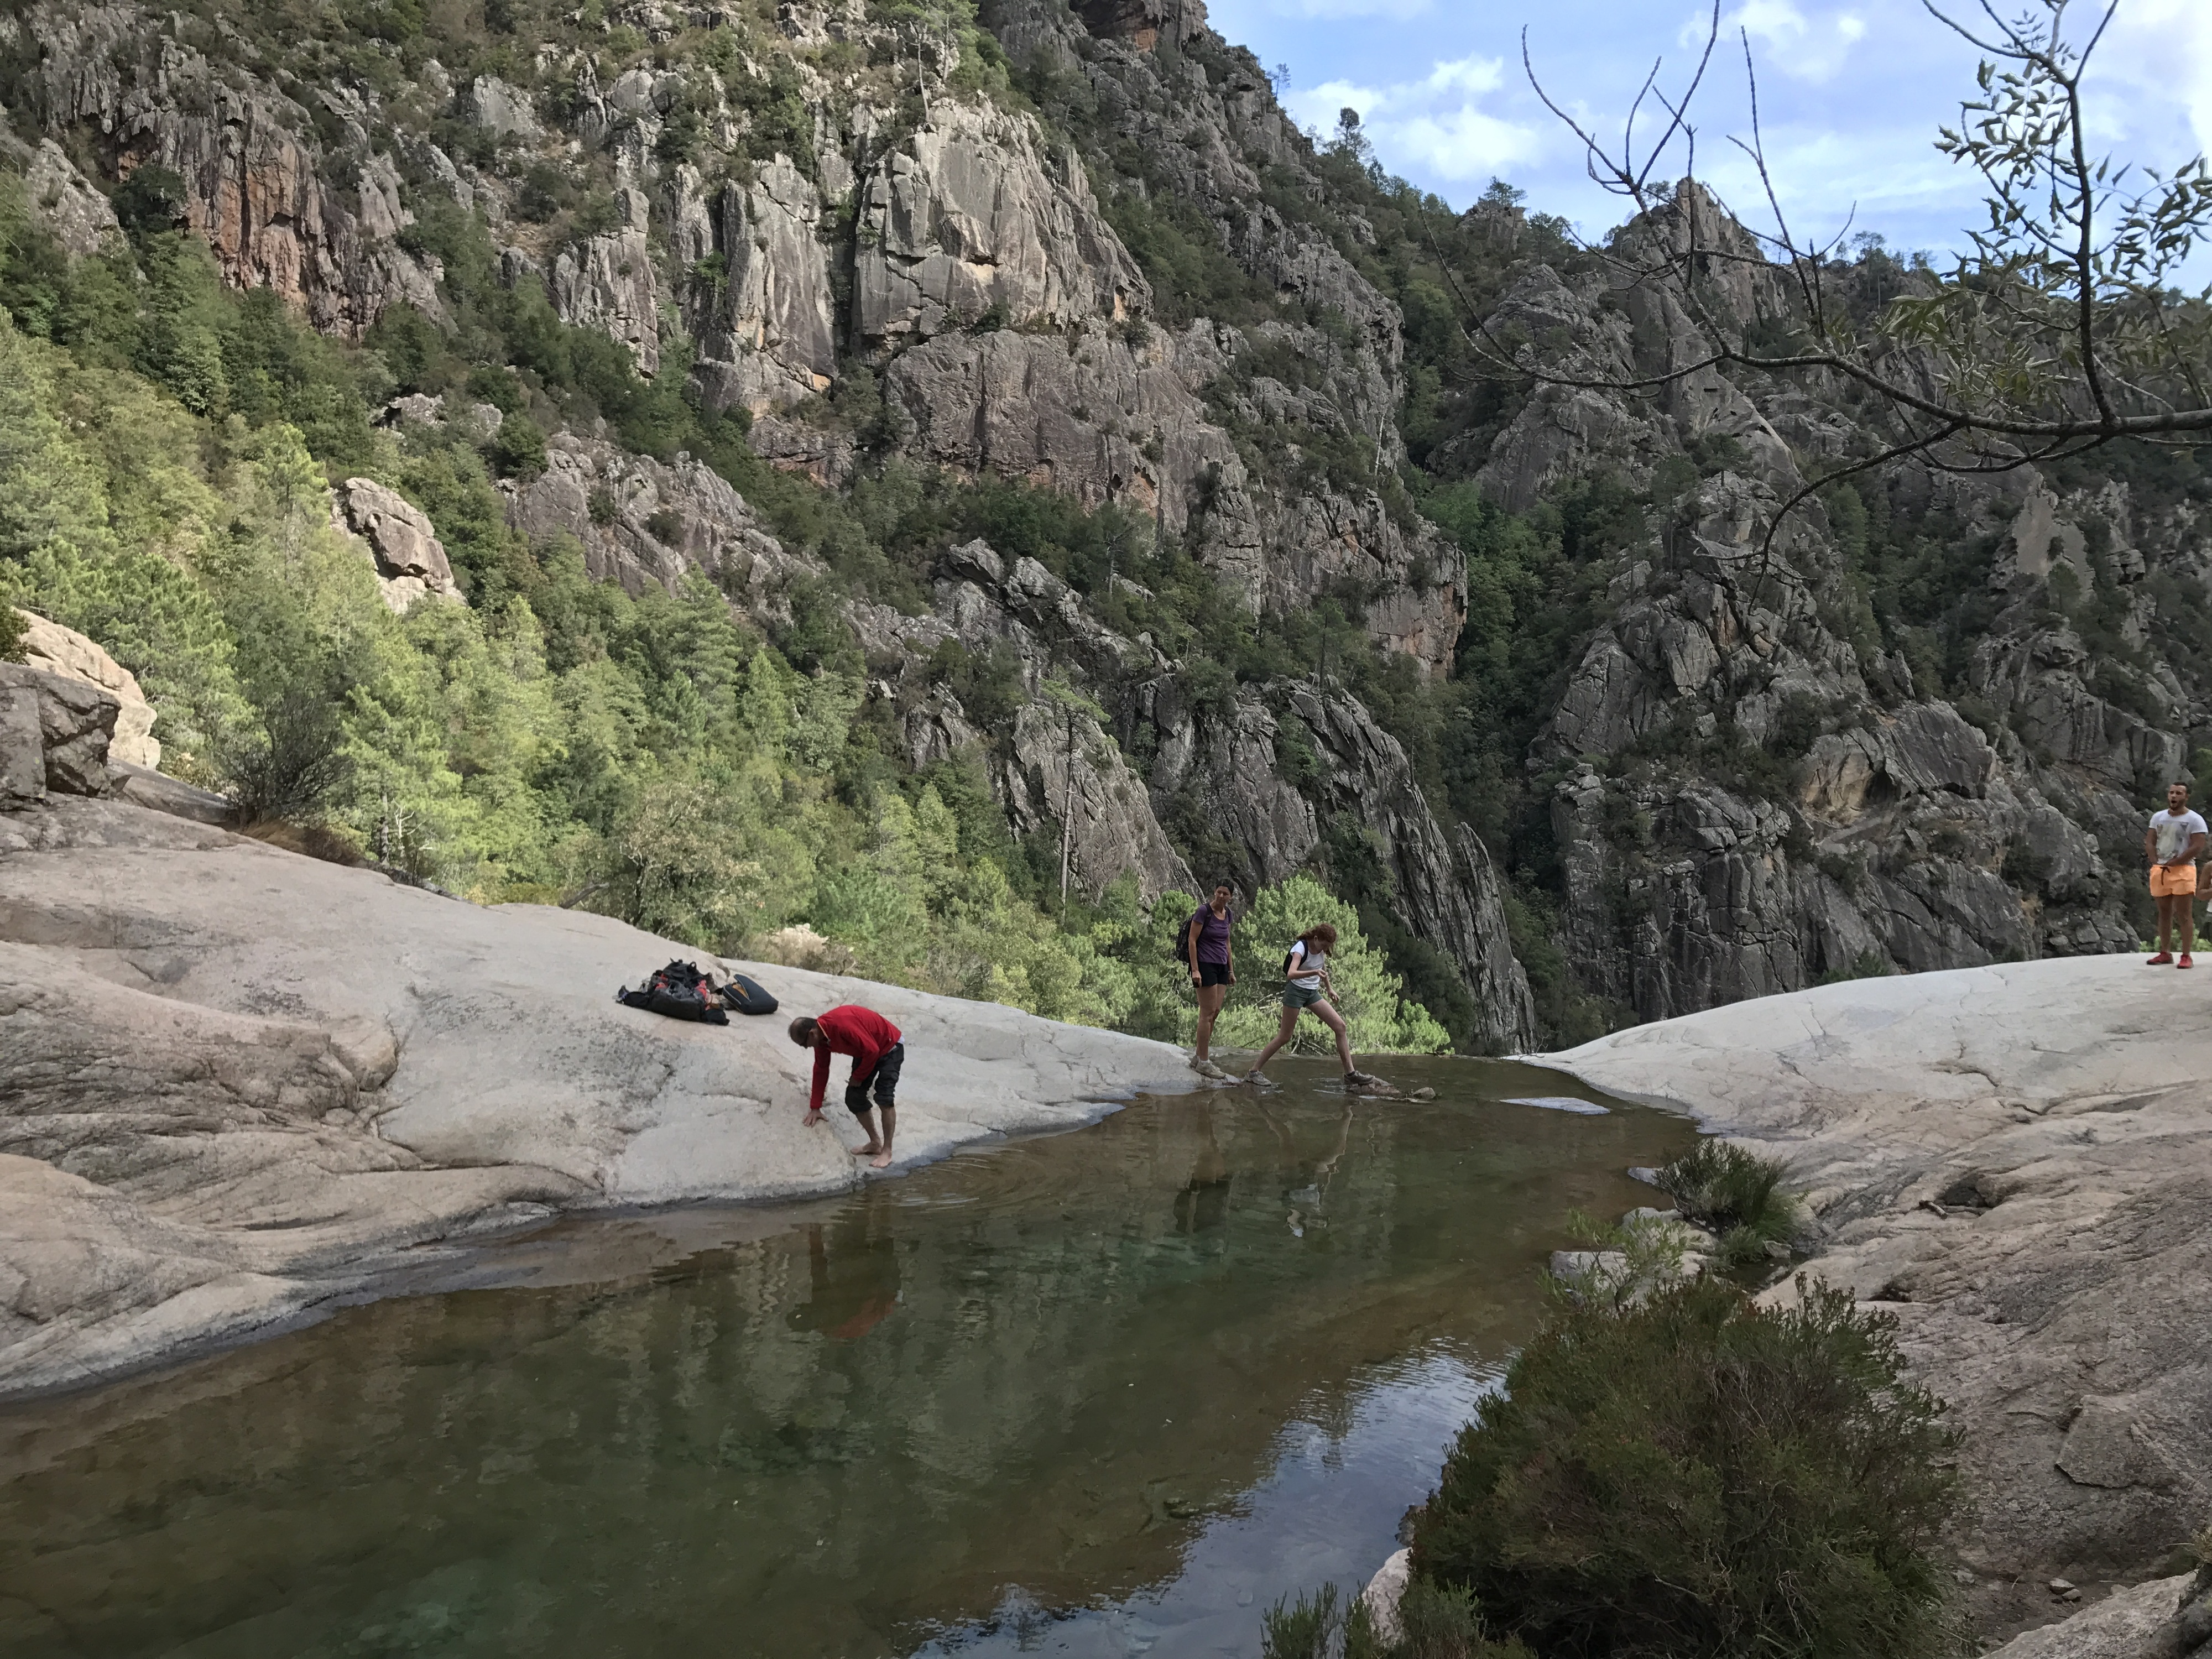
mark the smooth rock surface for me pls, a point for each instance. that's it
(2016, 1161)
(2128, 1624)
(240, 1079)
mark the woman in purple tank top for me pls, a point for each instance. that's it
(1213, 971)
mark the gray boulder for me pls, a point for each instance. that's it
(411, 561)
(54, 736)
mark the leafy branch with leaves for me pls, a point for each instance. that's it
(2059, 329)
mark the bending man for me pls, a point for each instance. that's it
(873, 1043)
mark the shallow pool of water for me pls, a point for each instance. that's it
(1103, 1393)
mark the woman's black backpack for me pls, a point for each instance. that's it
(1183, 935)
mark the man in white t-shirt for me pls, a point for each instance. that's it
(2173, 843)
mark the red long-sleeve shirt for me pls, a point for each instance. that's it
(851, 1029)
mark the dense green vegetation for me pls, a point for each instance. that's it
(1700, 1477)
(1683, 1475)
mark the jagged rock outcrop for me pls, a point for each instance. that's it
(53, 649)
(1751, 797)
(1094, 413)
(411, 561)
(54, 733)
(969, 216)
(986, 604)
(502, 110)
(254, 169)
(606, 282)
(1445, 890)
(763, 320)
(640, 521)
(1142, 22)
(68, 203)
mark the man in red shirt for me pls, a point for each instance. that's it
(878, 1054)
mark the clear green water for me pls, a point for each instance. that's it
(1110, 1392)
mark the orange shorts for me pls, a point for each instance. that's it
(2171, 881)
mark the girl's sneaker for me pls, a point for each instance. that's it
(2160, 960)
(2185, 961)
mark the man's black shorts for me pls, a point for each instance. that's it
(1214, 973)
(884, 1080)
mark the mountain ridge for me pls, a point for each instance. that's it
(1499, 662)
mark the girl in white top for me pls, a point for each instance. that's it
(1306, 984)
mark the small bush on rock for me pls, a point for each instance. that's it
(1736, 1194)
(1434, 1623)
(1700, 1477)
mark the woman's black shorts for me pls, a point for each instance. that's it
(883, 1081)
(1214, 973)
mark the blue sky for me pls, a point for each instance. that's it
(1850, 95)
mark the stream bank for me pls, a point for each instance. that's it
(244, 1083)
(2016, 1161)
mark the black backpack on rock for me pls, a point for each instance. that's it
(747, 996)
(680, 991)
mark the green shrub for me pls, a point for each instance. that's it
(517, 448)
(1735, 1193)
(1435, 1623)
(1701, 1477)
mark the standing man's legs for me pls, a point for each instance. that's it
(885, 1087)
(856, 1101)
(2166, 922)
(2185, 902)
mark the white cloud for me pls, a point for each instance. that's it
(1783, 37)
(1433, 124)
(1464, 144)
(2163, 50)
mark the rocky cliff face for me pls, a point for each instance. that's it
(1911, 735)
(1753, 793)
(927, 238)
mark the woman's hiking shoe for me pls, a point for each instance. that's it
(2160, 960)
(1205, 1067)
(1260, 1079)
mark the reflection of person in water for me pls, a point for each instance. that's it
(1203, 1203)
(1306, 1201)
(851, 1290)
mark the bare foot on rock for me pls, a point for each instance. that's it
(870, 1149)
(882, 1160)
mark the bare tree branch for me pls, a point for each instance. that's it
(2057, 333)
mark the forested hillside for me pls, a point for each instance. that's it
(880, 454)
